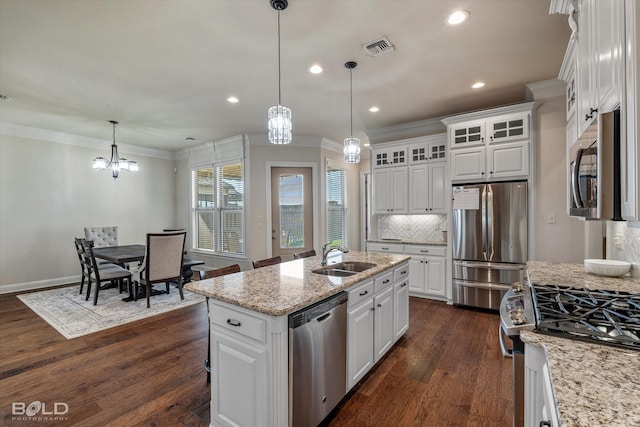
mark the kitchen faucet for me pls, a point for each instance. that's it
(325, 251)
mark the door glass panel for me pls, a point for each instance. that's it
(291, 211)
(501, 125)
(474, 138)
(500, 134)
(515, 132)
(515, 123)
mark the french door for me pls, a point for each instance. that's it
(291, 210)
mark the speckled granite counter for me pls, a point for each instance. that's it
(410, 242)
(287, 287)
(594, 384)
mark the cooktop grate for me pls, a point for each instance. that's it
(601, 316)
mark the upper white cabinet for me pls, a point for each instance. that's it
(415, 180)
(490, 145)
(601, 62)
(390, 156)
(390, 190)
(600, 51)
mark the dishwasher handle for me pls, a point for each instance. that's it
(324, 316)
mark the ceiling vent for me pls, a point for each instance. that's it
(378, 47)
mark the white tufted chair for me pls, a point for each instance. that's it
(102, 236)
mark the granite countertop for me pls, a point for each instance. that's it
(410, 242)
(593, 384)
(290, 286)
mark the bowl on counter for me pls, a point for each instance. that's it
(607, 267)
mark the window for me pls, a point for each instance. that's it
(336, 206)
(218, 208)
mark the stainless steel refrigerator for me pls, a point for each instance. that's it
(489, 241)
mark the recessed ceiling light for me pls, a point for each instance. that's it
(477, 85)
(232, 99)
(458, 17)
(366, 144)
(374, 109)
(315, 69)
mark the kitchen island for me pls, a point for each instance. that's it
(592, 384)
(249, 314)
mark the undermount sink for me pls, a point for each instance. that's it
(344, 269)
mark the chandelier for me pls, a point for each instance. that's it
(116, 164)
(351, 144)
(279, 116)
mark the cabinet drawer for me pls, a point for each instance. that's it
(382, 281)
(425, 250)
(238, 322)
(360, 294)
(401, 273)
(394, 248)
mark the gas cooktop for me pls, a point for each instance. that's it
(606, 317)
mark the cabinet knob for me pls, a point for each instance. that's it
(481, 173)
(379, 305)
(491, 172)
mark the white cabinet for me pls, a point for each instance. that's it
(600, 38)
(427, 271)
(401, 301)
(539, 402)
(387, 248)
(466, 134)
(248, 367)
(490, 145)
(420, 187)
(630, 144)
(238, 370)
(390, 190)
(427, 188)
(377, 316)
(508, 160)
(360, 332)
(383, 323)
(428, 149)
(390, 156)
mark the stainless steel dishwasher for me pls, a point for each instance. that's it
(317, 360)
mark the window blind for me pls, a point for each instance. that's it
(336, 207)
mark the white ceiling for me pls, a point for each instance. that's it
(164, 68)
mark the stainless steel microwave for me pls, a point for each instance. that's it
(594, 172)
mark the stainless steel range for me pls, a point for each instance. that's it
(598, 316)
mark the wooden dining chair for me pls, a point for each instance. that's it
(217, 272)
(267, 261)
(97, 275)
(85, 271)
(163, 262)
(305, 254)
(208, 274)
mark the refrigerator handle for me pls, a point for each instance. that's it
(483, 213)
(489, 227)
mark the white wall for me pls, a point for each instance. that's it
(49, 193)
(563, 241)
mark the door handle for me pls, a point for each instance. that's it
(273, 234)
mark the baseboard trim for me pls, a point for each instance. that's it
(38, 284)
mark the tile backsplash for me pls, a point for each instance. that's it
(412, 227)
(623, 243)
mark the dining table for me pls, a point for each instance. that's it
(126, 254)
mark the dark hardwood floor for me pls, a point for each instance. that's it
(446, 371)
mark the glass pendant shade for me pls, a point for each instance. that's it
(99, 163)
(351, 150)
(279, 122)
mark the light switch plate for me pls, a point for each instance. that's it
(551, 218)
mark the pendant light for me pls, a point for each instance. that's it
(351, 144)
(116, 164)
(279, 116)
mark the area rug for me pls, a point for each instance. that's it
(68, 312)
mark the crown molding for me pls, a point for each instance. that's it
(406, 130)
(485, 114)
(546, 89)
(11, 129)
